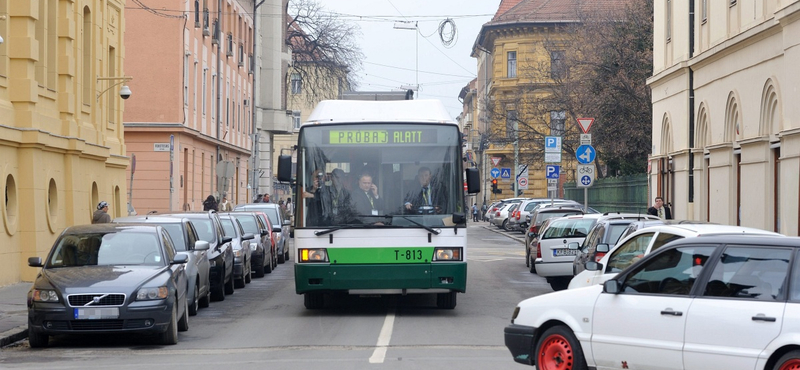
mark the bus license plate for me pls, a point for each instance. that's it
(409, 255)
(96, 313)
(564, 252)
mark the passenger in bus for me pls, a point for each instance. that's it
(430, 198)
(366, 200)
(313, 199)
(340, 198)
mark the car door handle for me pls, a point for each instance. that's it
(762, 317)
(671, 312)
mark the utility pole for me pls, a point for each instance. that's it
(516, 157)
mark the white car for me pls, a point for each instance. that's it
(644, 241)
(556, 262)
(710, 302)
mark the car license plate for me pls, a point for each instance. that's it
(96, 313)
(564, 252)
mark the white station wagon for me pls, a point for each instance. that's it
(709, 302)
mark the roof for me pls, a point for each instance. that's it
(753, 240)
(107, 228)
(149, 218)
(349, 111)
(705, 229)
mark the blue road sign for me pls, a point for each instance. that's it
(505, 173)
(585, 154)
(495, 172)
(552, 171)
(586, 180)
(552, 144)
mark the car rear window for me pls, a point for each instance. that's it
(248, 223)
(614, 232)
(175, 232)
(205, 230)
(569, 228)
(545, 215)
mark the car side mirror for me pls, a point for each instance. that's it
(179, 258)
(592, 266)
(226, 239)
(602, 248)
(248, 236)
(611, 286)
(573, 246)
(201, 245)
(264, 232)
(35, 262)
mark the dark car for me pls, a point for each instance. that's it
(109, 278)
(273, 212)
(604, 234)
(185, 238)
(242, 254)
(220, 252)
(263, 259)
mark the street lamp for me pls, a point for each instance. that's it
(406, 25)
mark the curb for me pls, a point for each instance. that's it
(14, 335)
(503, 232)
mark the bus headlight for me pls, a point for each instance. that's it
(447, 254)
(314, 255)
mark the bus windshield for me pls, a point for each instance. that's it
(378, 174)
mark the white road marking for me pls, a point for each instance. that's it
(383, 339)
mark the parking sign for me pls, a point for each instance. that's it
(552, 144)
(552, 171)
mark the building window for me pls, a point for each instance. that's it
(196, 13)
(186, 78)
(205, 72)
(558, 118)
(558, 67)
(669, 20)
(512, 64)
(213, 96)
(86, 32)
(296, 119)
(511, 123)
(297, 83)
(704, 9)
(112, 71)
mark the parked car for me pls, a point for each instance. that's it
(109, 278)
(280, 227)
(220, 252)
(531, 246)
(605, 233)
(242, 254)
(263, 259)
(644, 241)
(519, 220)
(268, 224)
(555, 263)
(532, 236)
(500, 218)
(709, 302)
(185, 239)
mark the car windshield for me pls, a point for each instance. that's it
(545, 215)
(614, 232)
(129, 248)
(569, 228)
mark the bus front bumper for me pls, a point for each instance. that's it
(381, 278)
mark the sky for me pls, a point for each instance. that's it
(390, 55)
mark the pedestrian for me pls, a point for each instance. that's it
(660, 209)
(265, 199)
(259, 198)
(101, 215)
(289, 207)
(210, 203)
(225, 206)
(282, 206)
(475, 212)
(484, 208)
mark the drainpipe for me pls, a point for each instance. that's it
(691, 101)
(220, 46)
(254, 185)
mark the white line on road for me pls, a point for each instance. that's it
(383, 339)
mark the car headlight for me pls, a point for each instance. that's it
(314, 255)
(277, 237)
(45, 295)
(447, 254)
(238, 253)
(149, 294)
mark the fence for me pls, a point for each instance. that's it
(613, 194)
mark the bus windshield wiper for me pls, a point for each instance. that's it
(432, 230)
(332, 229)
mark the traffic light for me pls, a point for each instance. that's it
(495, 190)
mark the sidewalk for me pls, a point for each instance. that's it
(13, 313)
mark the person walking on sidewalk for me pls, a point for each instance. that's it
(475, 212)
(101, 215)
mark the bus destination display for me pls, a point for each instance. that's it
(360, 137)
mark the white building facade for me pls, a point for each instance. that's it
(726, 125)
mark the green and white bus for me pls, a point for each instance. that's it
(380, 201)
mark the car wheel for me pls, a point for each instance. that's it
(504, 225)
(527, 257)
(183, 322)
(260, 269)
(446, 301)
(206, 300)
(170, 336)
(218, 292)
(313, 301)
(229, 285)
(196, 301)
(281, 258)
(532, 265)
(285, 254)
(249, 276)
(37, 339)
(559, 283)
(268, 267)
(789, 361)
(239, 283)
(559, 349)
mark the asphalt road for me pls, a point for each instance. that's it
(266, 325)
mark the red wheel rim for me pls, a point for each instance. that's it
(556, 354)
(793, 364)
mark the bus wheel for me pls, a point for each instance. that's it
(313, 301)
(446, 300)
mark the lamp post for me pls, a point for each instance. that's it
(407, 26)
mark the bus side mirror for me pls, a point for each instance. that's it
(473, 181)
(284, 168)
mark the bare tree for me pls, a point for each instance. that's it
(325, 52)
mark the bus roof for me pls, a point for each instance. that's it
(349, 111)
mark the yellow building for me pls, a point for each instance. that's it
(61, 139)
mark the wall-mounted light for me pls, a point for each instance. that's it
(124, 92)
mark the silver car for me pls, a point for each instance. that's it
(185, 238)
(273, 212)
